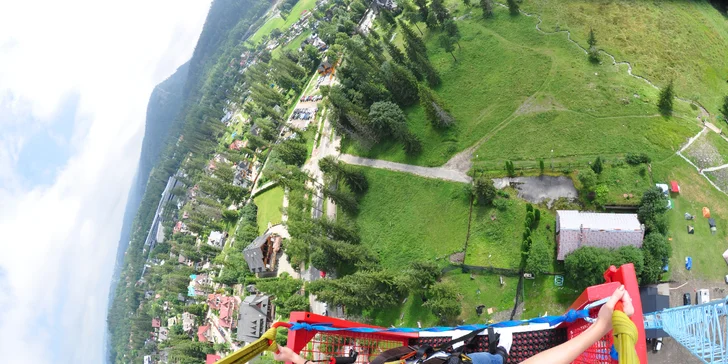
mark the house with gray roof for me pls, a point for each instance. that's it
(575, 229)
(261, 254)
(254, 318)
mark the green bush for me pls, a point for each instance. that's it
(635, 159)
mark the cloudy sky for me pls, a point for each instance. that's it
(75, 78)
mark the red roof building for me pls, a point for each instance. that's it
(212, 358)
(226, 305)
(202, 333)
(236, 145)
(674, 187)
(156, 323)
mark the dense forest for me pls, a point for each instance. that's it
(209, 79)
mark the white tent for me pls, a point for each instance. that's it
(725, 256)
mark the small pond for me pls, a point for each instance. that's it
(541, 188)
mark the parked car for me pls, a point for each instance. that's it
(686, 299)
(702, 296)
(656, 345)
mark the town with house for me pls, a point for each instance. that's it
(364, 164)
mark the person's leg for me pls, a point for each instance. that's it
(501, 354)
(486, 358)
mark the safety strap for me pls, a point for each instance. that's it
(246, 354)
(393, 354)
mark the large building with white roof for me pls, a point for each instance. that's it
(575, 229)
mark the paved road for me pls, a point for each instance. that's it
(429, 172)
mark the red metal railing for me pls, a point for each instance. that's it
(314, 345)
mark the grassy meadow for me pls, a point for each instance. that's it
(497, 242)
(277, 22)
(269, 208)
(525, 93)
(405, 217)
(681, 40)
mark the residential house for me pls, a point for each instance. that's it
(255, 317)
(156, 323)
(179, 227)
(261, 254)
(188, 322)
(203, 333)
(163, 334)
(216, 239)
(236, 145)
(324, 68)
(199, 285)
(575, 229)
(212, 358)
(226, 306)
(181, 259)
(147, 359)
(171, 321)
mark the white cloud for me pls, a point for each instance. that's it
(59, 239)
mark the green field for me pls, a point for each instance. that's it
(269, 208)
(681, 40)
(704, 248)
(513, 83)
(497, 243)
(708, 150)
(277, 22)
(405, 217)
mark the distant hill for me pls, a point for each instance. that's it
(188, 103)
(163, 109)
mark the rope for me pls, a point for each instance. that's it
(625, 338)
(570, 316)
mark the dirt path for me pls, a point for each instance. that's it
(429, 172)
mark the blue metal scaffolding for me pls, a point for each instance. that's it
(700, 328)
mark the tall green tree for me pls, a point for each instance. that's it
(487, 6)
(452, 30)
(423, 274)
(588, 179)
(597, 166)
(664, 103)
(362, 290)
(387, 119)
(441, 12)
(434, 109)
(592, 40)
(423, 9)
(443, 301)
(411, 14)
(448, 44)
(513, 8)
(657, 252)
(484, 190)
(652, 207)
(401, 83)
